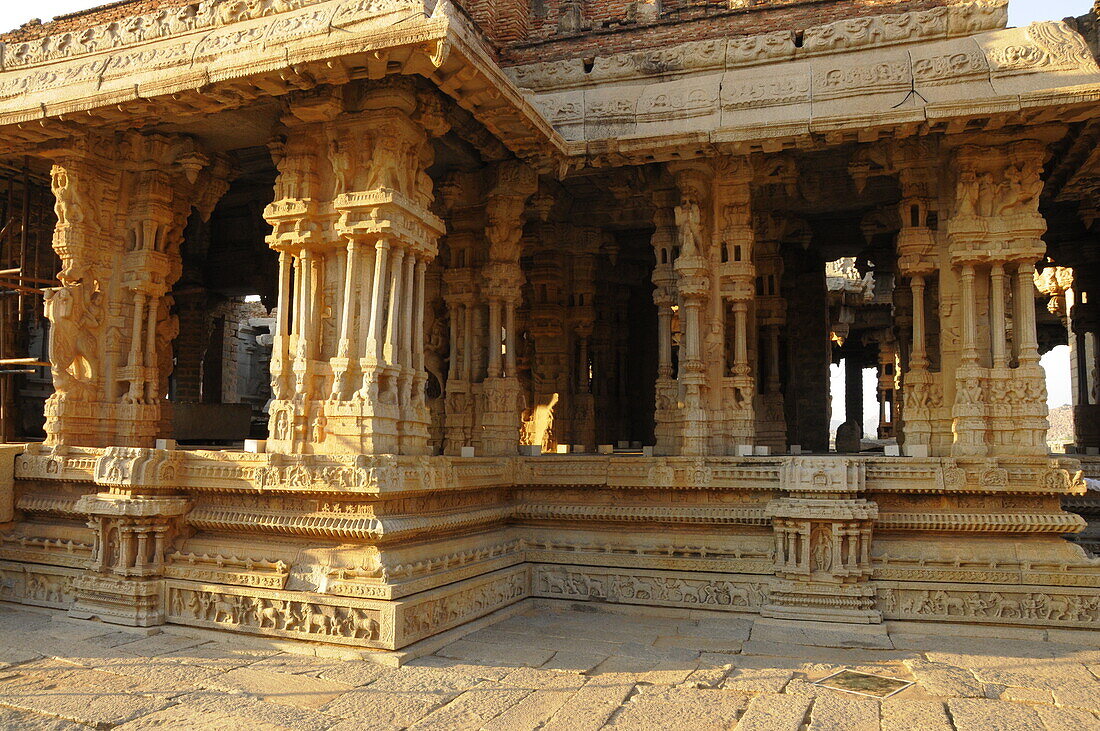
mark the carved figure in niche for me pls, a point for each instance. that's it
(191, 604)
(282, 425)
(68, 203)
(385, 159)
(1017, 190)
(250, 612)
(986, 192)
(571, 19)
(168, 328)
(435, 360)
(689, 224)
(970, 392)
(206, 605)
(319, 428)
(821, 549)
(388, 393)
(342, 165)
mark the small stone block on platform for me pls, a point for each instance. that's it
(795, 449)
(891, 450)
(606, 448)
(530, 450)
(624, 445)
(744, 450)
(256, 446)
(761, 451)
(916, 450)
(169, 444)
(562, 449)
(647, 451)
(580, 449)
(467, 452)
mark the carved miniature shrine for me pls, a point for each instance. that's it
(521, 301)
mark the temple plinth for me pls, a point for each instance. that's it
(355, 323)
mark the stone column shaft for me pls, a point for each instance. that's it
(969, 315)
(494, 338)
(510, 338)
(918, 359)
(418, 319)
(347, 316)
(389, 349)
(378, 294)
(997, 322)
(1025, 318)
(664, 344)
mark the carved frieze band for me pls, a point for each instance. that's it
(728, 592)
(854, 33)
(999, 604)
(278, 613)
(42, 586)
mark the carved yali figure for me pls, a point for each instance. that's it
(74, 312)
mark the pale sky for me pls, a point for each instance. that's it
(1021, 12)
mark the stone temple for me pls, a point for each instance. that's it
(520, 301)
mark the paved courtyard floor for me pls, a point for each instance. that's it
(552, 668)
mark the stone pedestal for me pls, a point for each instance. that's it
(823, 543)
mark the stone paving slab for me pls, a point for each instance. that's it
(548, 669)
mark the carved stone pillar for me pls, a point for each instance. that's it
(582, 318)
(771, 316)
(734, 410)
(549, 397)
(694, 221)
(132, 518)
(351, 212)
(665, 296)
(886, 385)
(512, 184)
(918, 261)
(460, 292)
(122, 204)
(993, 239)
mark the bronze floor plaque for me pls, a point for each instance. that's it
(851, 681)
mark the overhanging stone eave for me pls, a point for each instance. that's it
(442, 47)
(1065, 104)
